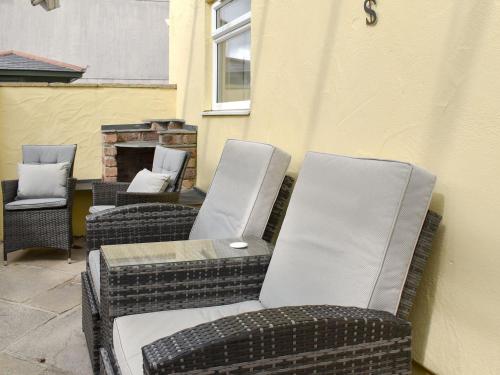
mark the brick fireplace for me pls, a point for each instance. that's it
(128, 148)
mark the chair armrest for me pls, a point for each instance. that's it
(9, 190)
(104, 193)
(330, 339)
(123, 198)
(138, 289)
(139, 223)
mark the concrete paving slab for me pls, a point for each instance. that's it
(60, 341)
(10, 365)
(16, 320)
(19, 283)
(49, 259)
(59, 299)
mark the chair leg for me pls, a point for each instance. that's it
(4, 257)
(69, 255)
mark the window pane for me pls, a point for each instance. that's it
(233, 65)
(231, 11)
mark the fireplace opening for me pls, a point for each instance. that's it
(132, 158)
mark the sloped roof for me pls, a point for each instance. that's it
(15, 60)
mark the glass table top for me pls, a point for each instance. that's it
(181, 251)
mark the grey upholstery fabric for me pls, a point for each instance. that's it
(243, 190)
(42, 181)
(96, 209)
(32, 204)
(171, 162)
(49, 154)
(132, 332)
(95, 271)
(349, 233)
(149, 182)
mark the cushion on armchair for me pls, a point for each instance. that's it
(349, 233)
(243, 190)
(42, 180)
(132, 332)
(33, 204)
(148, 182)
(169, 161)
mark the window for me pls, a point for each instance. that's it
(231, 54)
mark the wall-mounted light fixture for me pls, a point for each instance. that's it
(47, 4)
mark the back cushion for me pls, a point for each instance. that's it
(48, 154)
(170, 162)
(243, 190)
(349, 233)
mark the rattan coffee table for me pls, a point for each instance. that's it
(137, 278)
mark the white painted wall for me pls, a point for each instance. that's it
(119, 40)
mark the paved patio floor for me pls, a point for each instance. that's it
(40, 314)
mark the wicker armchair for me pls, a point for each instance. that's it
(280, 328)
(255, 200)
(39, 227)
(108, 195)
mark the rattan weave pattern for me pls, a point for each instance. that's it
(104, 193)
(91, 324)
(418, 262)
(50, 227)
(288, 340)
(139, 223)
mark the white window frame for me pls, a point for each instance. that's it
(235, 27)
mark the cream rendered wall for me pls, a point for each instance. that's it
(422, 86)
(59, 114)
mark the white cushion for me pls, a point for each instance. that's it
(349, 233)
(243, 191)
(96, 209)
(42, 180)
(95, 272)
(148, 182)
(33, 204)
(132, 332)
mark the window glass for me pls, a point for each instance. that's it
(234, 68)
(231, 11)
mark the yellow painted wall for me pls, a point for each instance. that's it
(59, 114)
(422, 86)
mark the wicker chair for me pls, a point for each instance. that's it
(249, 186)
(341, 281)
(26, 227)
(108, 195)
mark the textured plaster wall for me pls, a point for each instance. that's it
(73, 114)
(422, 86)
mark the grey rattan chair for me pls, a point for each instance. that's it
(333, 300)
(50, 225)
(108, 195)
(249, 186)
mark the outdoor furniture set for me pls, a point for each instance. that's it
(332, 296)
(37, 207)
(173, 289)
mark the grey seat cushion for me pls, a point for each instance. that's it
(95, 272)
(132, 332)
(96, 209)
(49, 154)
(32, 204)
(243, 191)
(349, 233)
(170, 162)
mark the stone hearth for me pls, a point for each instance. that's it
(128, 148)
